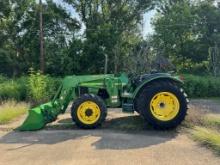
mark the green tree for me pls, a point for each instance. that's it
(111, 27)
(184, 31)
(20, 45)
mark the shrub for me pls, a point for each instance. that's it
(35, 87)
(22, 81)
(195, 68)
(202, 86)
(12, 89)
(41, 87)
(52, 86)
(2, 78)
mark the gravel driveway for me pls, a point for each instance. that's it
(117, 142)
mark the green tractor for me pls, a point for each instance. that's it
(157, 97)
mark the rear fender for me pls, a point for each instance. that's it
(155, 77)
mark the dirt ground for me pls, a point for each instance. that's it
(123, 139)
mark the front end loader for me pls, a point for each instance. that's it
(158, 98)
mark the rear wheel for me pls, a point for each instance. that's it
(88, 111)
(163, 104)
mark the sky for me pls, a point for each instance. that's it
(147, 27)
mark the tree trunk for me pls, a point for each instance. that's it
(42, 59)
(116, 58)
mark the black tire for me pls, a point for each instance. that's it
(95, 99)
(143, 100)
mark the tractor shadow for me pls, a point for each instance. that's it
(128, 132)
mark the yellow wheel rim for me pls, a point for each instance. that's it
(88, 112)
(164, 106)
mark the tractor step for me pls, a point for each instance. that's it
(127, 108)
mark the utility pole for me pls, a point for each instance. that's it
(42, 61)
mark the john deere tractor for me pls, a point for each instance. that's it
(158, 98)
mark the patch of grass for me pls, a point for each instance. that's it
(212, 120)
(9, 110)
(204, 128)
(207, 137)
(194, 117)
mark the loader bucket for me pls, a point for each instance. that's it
(38, 117)
(34, 121)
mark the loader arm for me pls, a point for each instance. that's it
(39, 116)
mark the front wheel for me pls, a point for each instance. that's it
(162, 104)
(88, 111)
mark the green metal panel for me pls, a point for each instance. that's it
(112, 86)
(123, 79)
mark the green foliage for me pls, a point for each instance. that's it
(196, 68)
(35, 88)
(184, 32)
(111, 27)
(41, 87)
(2, 79)
(19, 35)
(12, 89)
(9, 89)
(202, 86)
(52, 86)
